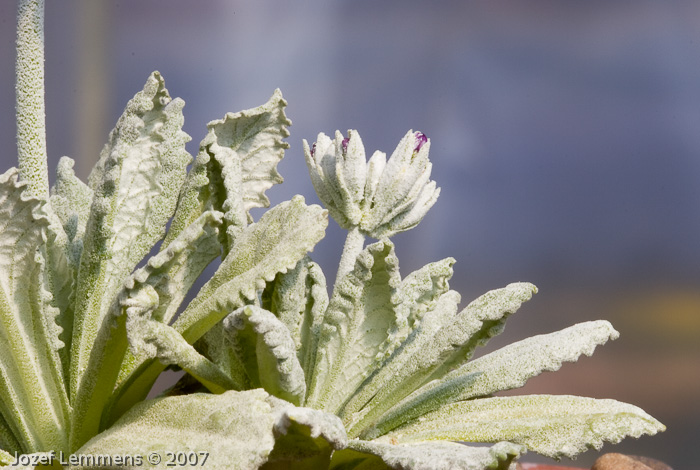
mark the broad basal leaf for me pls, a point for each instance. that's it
(237, 163)
(33, 399)
(234, 430)
(368, 455)
(267, 351)
(359, 322)
(135, 185)
(554, 426)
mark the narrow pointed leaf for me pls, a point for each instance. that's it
(70, 201)
(507, 368)
(554, 426)
(511, 366)
(267, 351)
(452, 345)
(135, 185)
(32, 392)
(162, 275)
(357, 327)
(483, 319)
(357, 415)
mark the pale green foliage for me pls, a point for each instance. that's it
(278, 371)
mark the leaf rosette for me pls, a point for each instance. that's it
(99, 296)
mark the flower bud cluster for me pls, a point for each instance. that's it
(381, 197)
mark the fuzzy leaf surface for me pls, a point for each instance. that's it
(135, 185)
(267, 352)
(33, 399)
(551, 425)
(299, 299)
(274, 244)
(236, 164)
(425, 456)
(238, 430)
(358, 324)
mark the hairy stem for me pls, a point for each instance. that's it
(354, 242)
(31, 115)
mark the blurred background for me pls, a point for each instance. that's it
(565, 137)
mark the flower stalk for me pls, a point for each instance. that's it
(30, 108)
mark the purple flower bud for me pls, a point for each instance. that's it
(421, 139)
(344, 143)
(313, 150)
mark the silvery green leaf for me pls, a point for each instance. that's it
(511, 366)
(357, 414)
(299, 299)
(71, 200)
(274, 244)
(153, 293)
(306, 437)
(267, 352)
(135, 185)
(420, 291)
(425, 456)
(424, 357)
(234, 430)
(480, 321)
(33, 398)
(8, 441)
(507, 368)
(149, 294)
(357, 327)
(152, 339)
(175, 269)
(550, 425)
(6, 458)
(216, 346)
(424, 400)
(237, 163)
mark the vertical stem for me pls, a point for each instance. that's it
(354, 243)
(31, 115)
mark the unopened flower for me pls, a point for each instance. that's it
(382, 197)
